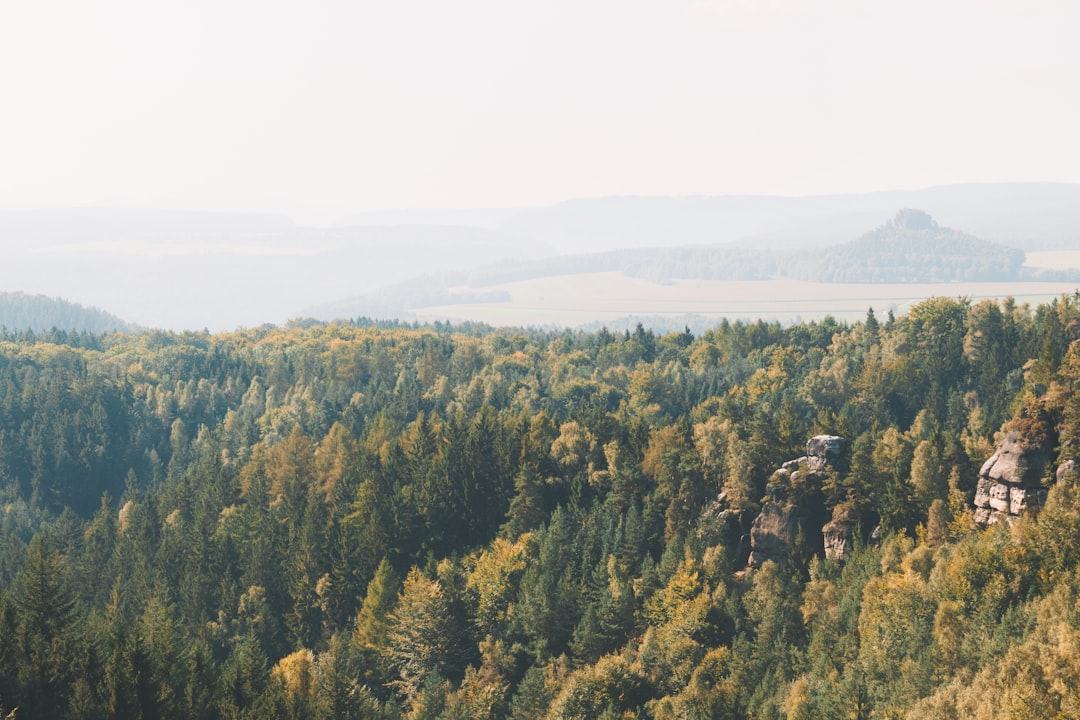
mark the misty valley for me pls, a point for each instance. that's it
(666, 262)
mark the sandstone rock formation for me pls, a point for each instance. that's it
(837, 535)
(794, 503)
(1013, 480)
(773, 533)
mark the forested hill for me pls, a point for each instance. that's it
(362, 521)
(38, 313)
(911, 247)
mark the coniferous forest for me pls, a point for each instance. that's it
(365, 520)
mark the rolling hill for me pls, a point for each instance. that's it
(20, 312)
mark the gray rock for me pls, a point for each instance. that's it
(816, 465)
(1022, 500)
(773, 534)
(1064, 469)
(982, 492)
(829, 447)
(836, 536)
(999, 497)
(793, 465)
(777, 493)
(1017, 466)
(1011, 480)
(912, 219)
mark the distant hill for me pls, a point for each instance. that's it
(20, 312)
(909, 248)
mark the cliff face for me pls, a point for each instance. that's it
(773, 533)
(1014, 480)
(1011, 481)
(794, 504)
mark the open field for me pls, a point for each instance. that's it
(570, 300)
(1054, 259)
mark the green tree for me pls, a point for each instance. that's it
(370, 640)
(422, 636)
(45, 609)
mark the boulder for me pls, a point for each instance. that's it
(773, 534)
(1064, 469)
(794, 503)
(828, 447)
(982, 492)
(816, 465)
(1010, 482)
(912, 219)
(1023, 499)
(1016, 464)
(793, 465)
(823, 451)
(837, 534)
(999, 497)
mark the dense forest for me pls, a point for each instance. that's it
(363, 520)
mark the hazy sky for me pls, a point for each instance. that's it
(352, 104)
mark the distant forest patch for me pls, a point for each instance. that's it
(20, 312)
(911, 248)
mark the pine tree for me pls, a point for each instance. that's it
(872, 328)
(45, 608)
(369, 639)
(424, 638)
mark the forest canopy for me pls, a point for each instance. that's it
(366, 520)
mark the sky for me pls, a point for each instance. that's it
(362, 105)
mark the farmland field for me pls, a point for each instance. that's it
(570, 300)
(1054, 259)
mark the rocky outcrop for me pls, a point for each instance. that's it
(826, 448)
(773, 533)
(1064, 469)
(1013, 481)
(794, 503)
(837, 534)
